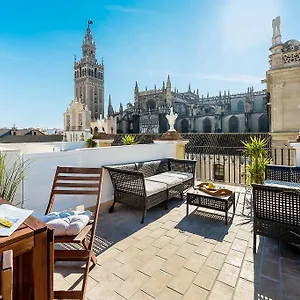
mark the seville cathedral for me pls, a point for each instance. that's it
(250, 111)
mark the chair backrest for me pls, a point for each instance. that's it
(7, 275)
(76, 181)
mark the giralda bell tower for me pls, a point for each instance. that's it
(89, 77)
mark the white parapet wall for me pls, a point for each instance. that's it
(38, 182)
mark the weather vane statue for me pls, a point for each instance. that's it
(90, 22)
(171, 117)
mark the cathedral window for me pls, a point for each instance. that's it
(92, 73)
(95, 72)
(233, 124)
(89, 72)
(207, 125)
(99, 75)
(240, 106)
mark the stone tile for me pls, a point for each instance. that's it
(206, 277)
(129, 254)
(248, 271)
(162, 241)
(223, 247)
(155, 285)
(205, 248)
(221, 291)
(131, 285)
(229, 274)
(167, 251)
(195, 239)
(105, 270)
(144, 242)
(195, 262)
(243, 235)
(271, 253)
(268, 289)
(146, 254)
(107, 255)
(125, 244)
(169, 225)
(168, 294)
(239, 245)
(250, 256)
(105, 287)
(154, 264)
(157, 233)
(244, 290)
(112, 296)
(172, 233)
(182, 280)
(229, 237)
(290, 287)
(154, 225)
(180, 239)
(186, 250)
(234, 258)
(173, 264)
(128, 268)
(270, 269)
(215, 260)
(140, 295)
(141, 233)
(195, 292)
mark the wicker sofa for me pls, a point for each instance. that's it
(146, 184)
(276, 205)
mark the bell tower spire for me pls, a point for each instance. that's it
(89, 77)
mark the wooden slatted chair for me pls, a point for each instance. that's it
(77, 181)
(7, 275)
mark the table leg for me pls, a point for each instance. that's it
(187, 206)
(40, 267)
(226, 213)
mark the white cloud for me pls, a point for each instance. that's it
(247, 23)
(130, 10)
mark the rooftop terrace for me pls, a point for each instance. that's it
(174, 256)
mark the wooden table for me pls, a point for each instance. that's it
(32, 245)
(201, 199)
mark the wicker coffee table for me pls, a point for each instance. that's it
(198, 198)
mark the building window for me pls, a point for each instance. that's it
(233, 124)
(240, 106)
(207, 125)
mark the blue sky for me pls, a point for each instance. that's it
(212, 44)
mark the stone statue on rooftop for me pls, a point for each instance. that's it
(171, 117)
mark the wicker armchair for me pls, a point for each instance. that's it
(276, 205)
(145, 184)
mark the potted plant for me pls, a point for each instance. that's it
(91, 143)
(128, 140)
(256, 151)
(12, 173)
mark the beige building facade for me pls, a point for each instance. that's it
(77, 121)
(283, 86)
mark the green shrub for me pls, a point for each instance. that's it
(91, 143)
(128, 140)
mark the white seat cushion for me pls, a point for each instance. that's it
(181, 175)
(169, 180)
(67, 222)
(153, 187)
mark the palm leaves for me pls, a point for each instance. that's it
(128, 140)
(257, 151)
(91, 143)
(12, 173)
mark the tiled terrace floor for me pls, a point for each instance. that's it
(174, 256)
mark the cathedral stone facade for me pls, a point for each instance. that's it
(89, 77)
(244, 112)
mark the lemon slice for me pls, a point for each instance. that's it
(5, 222)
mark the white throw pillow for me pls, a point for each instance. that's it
(67, 222)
